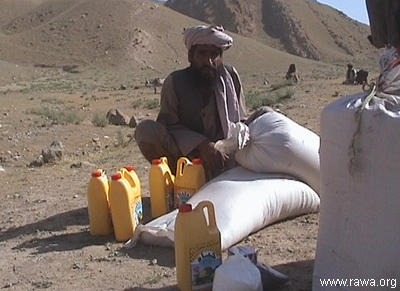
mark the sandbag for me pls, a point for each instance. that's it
(359, 221)
(244, 202)
(280, 145)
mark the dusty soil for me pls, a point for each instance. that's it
(44, 234)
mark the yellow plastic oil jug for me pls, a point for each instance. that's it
(161, 182)
(189, 178)
(131, 170)
(197, 247)
(98, 205)
(129, 173)
(125, 205)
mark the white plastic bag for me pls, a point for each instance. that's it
(244, 202)
(280, 145)
(237, 273)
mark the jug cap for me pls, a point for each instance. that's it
(130, 168)
(185, 207)
(197, 161)
(97, 174)
(156, 162)
(116, 176)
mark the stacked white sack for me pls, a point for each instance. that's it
(244, 202)
(280, 145)
(359, 233)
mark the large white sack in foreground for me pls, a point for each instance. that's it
(244, 202)
(280, 145)
(359, 232)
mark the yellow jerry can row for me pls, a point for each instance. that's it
(115, 204)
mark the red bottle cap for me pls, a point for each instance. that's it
(130, 168)
(96, 174)
(185, 207)
(156, 162)
(116, 176)
(197, 161)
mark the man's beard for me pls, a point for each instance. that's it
(206, 75)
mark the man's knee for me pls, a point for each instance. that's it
(155, 141)
(148, 131)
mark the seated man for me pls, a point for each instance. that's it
(292, 74)
(197, 105)
(351, 74)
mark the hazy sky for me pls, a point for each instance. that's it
(355, 9)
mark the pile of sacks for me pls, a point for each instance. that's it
(278, 178)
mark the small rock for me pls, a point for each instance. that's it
(76, 165)
(37, 163)
(76, 266)
(153, 262)
(54, 153)
(116, 117)
(2, 169)
(335, 94)
(122, 87)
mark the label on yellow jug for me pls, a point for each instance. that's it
(183, 194)
(203, 261)
(138, 211)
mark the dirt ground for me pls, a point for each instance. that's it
(44, 234)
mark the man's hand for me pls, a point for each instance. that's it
(260, 111)
(212, 159)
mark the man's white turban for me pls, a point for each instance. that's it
(202, 34)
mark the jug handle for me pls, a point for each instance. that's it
(182, 162)
(164, 160)
(210, 212)
(128, 177)
(170, 177)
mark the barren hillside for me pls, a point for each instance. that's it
(138, 37)
(302, 27)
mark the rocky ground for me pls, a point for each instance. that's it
(44, 234)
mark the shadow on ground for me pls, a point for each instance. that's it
(297, 271)
(63, 242)
(44, 240)
(58, 222)
(165, 256)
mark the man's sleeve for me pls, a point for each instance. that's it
(186, 139)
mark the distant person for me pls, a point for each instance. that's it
(361, 77)
(198, 104)
(292, 74)
(351, 74)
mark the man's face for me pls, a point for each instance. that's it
(205, 59)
